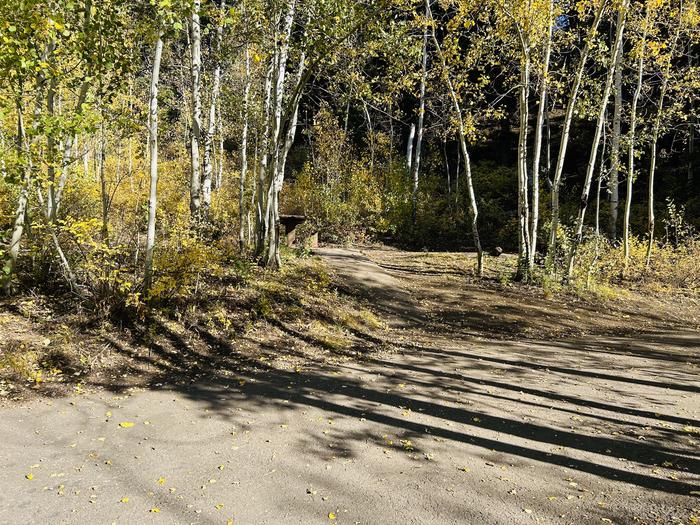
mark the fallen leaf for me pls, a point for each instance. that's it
(126, 424)
(29, 476)
(331, 515)
(154, 510)
(124, 500)
(161, 480)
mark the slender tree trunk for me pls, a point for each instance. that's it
(656, 129)
(271, 259)
(3, 166)
(211, 123)
(523, 204)
(103, 184)
(457, 171)
(613, 181)
(153, 154)
(244, 154)
(537, 153)
(421, 118)
(473, 207)
(86, 159)
(261, 214)
(409, 148)
(370, 132)
(615, 56)
(222, 158)
(288, 131)
(447, 169)
(196, 136)
(51, 150)
(565, 135)
(21, 212)
(632, 143)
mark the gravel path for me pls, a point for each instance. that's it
(450, 430)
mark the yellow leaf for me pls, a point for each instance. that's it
(124, 500)
(161, 480)
(155, 510)
(331, 515)
(29, 476)
(108, 414)
(126, 424)
(220, 467)
(219, 506)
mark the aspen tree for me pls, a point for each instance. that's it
(614, 64)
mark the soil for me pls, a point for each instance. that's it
(412, 393)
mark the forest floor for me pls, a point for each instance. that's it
(369, 386)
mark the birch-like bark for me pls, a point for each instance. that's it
(613, 181)
(196, 135)
(583, 205)
(631, 142)
(447, 170)
(51, 148)
(21, 213)
(409, 147)
(273, 257)
(421, 119)
(473, 207)
(211, 123)
(537, 152)
(153, 154)
(523, 204)
(102, 156)
(656, 129)
(244, 154)
(3, 166)
(261, 217)
(370, 132)
(565, 135)
(222, 160)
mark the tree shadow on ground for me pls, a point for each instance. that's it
(222, 376)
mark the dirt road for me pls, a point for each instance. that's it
(455, 427)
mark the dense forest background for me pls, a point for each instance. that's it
(147, 147)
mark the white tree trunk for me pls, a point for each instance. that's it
(523, 204)
(537, 153)
(473, 207)
(153, 154)
(421, 118)
(261, 215)
(613, 183)
(211, 123)
(195, 138)
(244, 154)
(409, 147)
(656, 129)
(20, 214)
(631, 143)
(614, 58)
(565, 134)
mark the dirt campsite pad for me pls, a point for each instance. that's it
(471, 407)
